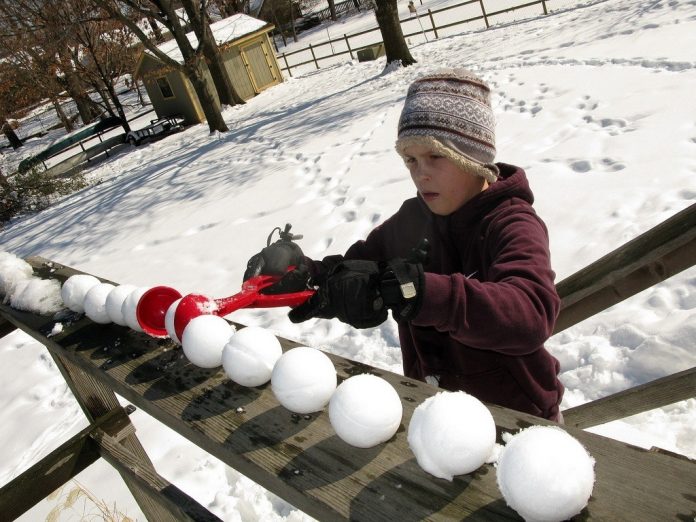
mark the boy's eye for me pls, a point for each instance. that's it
(409, 160)
(435, 156)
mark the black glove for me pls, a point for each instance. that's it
(402, 284)
(349, 292)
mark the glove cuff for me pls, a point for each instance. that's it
(402, 286)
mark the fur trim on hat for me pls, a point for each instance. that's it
(488, 171)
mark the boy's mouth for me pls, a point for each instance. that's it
(429, 196)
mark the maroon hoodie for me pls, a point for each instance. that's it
(490, 302)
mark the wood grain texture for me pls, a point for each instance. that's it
(300, 458)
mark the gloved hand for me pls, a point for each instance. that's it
(402, 284)
(348, 292)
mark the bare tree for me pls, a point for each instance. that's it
(395, 45)
(200, 22)
(127, 11)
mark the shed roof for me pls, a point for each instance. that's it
(225, 31)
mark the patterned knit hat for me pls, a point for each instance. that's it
(450, 112)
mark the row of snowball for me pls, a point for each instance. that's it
(543, 472)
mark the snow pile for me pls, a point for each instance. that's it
(23, 291)
(365, 410)
(303, 379)
(451, 433)
(545, 474)
(204, 339)
(250, 355)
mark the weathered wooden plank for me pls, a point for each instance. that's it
(181, 506)
(53, 471)
(6, 327)
(300, 458)
(648, 396)
(650, 258)
(96, 399)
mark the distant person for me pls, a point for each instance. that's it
(411, 8)
(464, 266)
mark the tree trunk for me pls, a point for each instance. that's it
(210, 107)
(332, 10)
(69, 127)
(226, 92)
(395, 46)
(155, 30)
(10, 134)
(119, 107)
(86, 107)
(141, 100)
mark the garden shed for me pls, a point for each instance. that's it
(248, 54)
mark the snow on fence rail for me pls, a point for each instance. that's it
(417, 29)
(300, 458)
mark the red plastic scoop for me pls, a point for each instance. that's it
(154, 303)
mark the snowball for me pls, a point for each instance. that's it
(114, 303)
(130, 306)
(204, 339)
(95, 303)
(41, 296)
(365, 410)
(13, 270)
(250, 355)
(545, 474)
(75, 289)
(169, 321)
(451, 433)
(303, 379)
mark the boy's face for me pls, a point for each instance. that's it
(443, 185)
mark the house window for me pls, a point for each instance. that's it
(165, 88)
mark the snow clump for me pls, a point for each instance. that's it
(95, 303)
(250, 355)
(13, 270)
(75, 289)
(114, 303)
(41, 296)
(545, 474)
(365, 410)
(303, 379)
(451, 433)
(204, 338)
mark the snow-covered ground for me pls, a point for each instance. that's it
(596, 102)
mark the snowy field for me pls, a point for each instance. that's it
(595, 102)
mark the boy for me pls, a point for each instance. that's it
(475, 301)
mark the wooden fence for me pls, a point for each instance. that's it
(300, 458)
(422, 27)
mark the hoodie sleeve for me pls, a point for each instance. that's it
(512, 311)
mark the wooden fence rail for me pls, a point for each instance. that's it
(300, 458)
(342, 45)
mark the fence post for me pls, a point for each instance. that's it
(287, 65)
(543, 3)
(348, 44)
(311, 50)
(485, 16)
(432, 22)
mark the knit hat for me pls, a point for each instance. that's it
(450, 112)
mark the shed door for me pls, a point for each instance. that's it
(258, 65)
